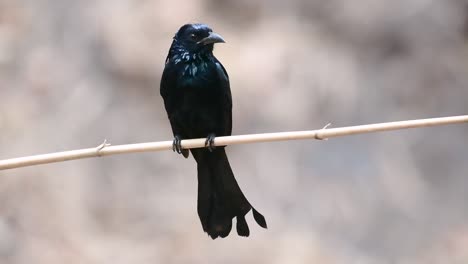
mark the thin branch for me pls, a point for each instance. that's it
(105, 149)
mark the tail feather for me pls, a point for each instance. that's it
(219, 196)
(259, 218)
(204, 202)
(219, 226)
(242, 227)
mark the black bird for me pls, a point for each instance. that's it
(197, 97)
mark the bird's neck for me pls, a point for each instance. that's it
(179, 54)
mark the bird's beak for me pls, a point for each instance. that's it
(212, 38)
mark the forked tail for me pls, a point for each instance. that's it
(220, 198)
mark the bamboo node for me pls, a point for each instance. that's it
(101, 147)
(317, 135)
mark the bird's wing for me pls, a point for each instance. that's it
(166, 88)
(167, 79)
(227, 97)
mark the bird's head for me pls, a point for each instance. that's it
(197, 38)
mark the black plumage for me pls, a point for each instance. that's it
(197, 97)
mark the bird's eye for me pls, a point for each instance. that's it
(193, 36)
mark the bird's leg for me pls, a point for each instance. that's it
(176, 147)
(209, 142)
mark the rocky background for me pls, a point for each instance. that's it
(73, 73)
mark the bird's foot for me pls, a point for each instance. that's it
(209, 142)
(176, 146)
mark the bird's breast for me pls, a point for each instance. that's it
(194, 69)
(195, 75)
(191, 65)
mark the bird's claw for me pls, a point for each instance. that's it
(209, 142)
(176, 146)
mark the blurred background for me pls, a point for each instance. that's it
(73, 73)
